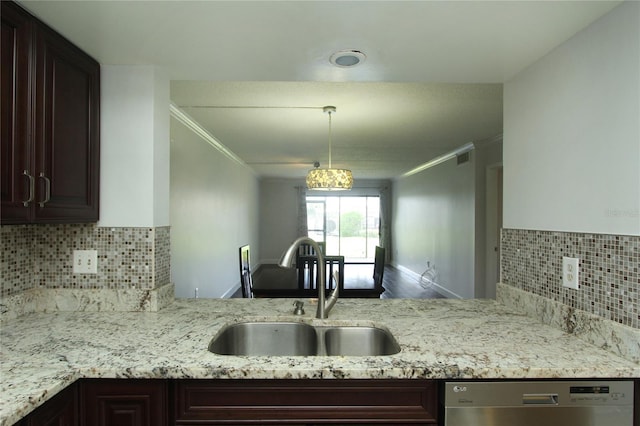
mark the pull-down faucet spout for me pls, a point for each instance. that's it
(287, 261)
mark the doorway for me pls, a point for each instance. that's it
(493, 228)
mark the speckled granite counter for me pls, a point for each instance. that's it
(43, 353)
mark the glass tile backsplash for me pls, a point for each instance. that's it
(609, 276)
(40, 256)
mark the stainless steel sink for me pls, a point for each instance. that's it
(299, 339)
(359, 341)
(266, 338)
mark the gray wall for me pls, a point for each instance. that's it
(278, 217)
(433, 221)
(214, 211)
(571, 133)
(439, 216)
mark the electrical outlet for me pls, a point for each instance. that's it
(85, 261)
(570, 272)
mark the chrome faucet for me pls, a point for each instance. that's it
(287, 261)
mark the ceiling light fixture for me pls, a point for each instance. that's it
(329, 179)
(347, 58)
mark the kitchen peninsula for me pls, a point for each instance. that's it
(43, 353)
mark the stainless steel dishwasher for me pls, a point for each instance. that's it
(548, 403)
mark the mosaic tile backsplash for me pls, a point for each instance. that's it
(40, 256)
(609, 274)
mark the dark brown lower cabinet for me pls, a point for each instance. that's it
(61, 410)
(304, 402)
(148, 402)
(123, 402)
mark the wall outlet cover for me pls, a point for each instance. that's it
(570, 272)
(85, 261)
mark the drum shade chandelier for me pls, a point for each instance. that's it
(329, 179)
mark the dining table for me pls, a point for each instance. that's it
(301, 281)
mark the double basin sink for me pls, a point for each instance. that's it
(300, 339)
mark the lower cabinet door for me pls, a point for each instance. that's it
(123, 402)
(304, 402)
(61, 410)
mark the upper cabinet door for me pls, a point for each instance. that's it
(17, 184)
(67, 133)
(50, 125)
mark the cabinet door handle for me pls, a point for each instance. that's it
(32, 188)
(47, 189)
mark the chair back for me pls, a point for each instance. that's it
(308, 250)
(246, 282)
(378, 268)
(306, 264)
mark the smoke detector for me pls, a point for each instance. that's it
(347, 58)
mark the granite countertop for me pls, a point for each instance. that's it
(441, 339)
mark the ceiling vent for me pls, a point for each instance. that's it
(462, 158)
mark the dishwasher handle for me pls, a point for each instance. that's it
(540, 399)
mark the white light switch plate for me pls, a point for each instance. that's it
(85, 261)
(570, 272)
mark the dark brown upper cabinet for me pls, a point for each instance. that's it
(50, 125)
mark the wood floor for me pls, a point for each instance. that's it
(397, 284)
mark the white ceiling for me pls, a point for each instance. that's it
(256, 74)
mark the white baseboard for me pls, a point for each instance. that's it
(435, 286)
(229, 293)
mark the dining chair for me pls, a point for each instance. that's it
(246, 282)
(378, 274)
(378, 269)
(306, 265)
